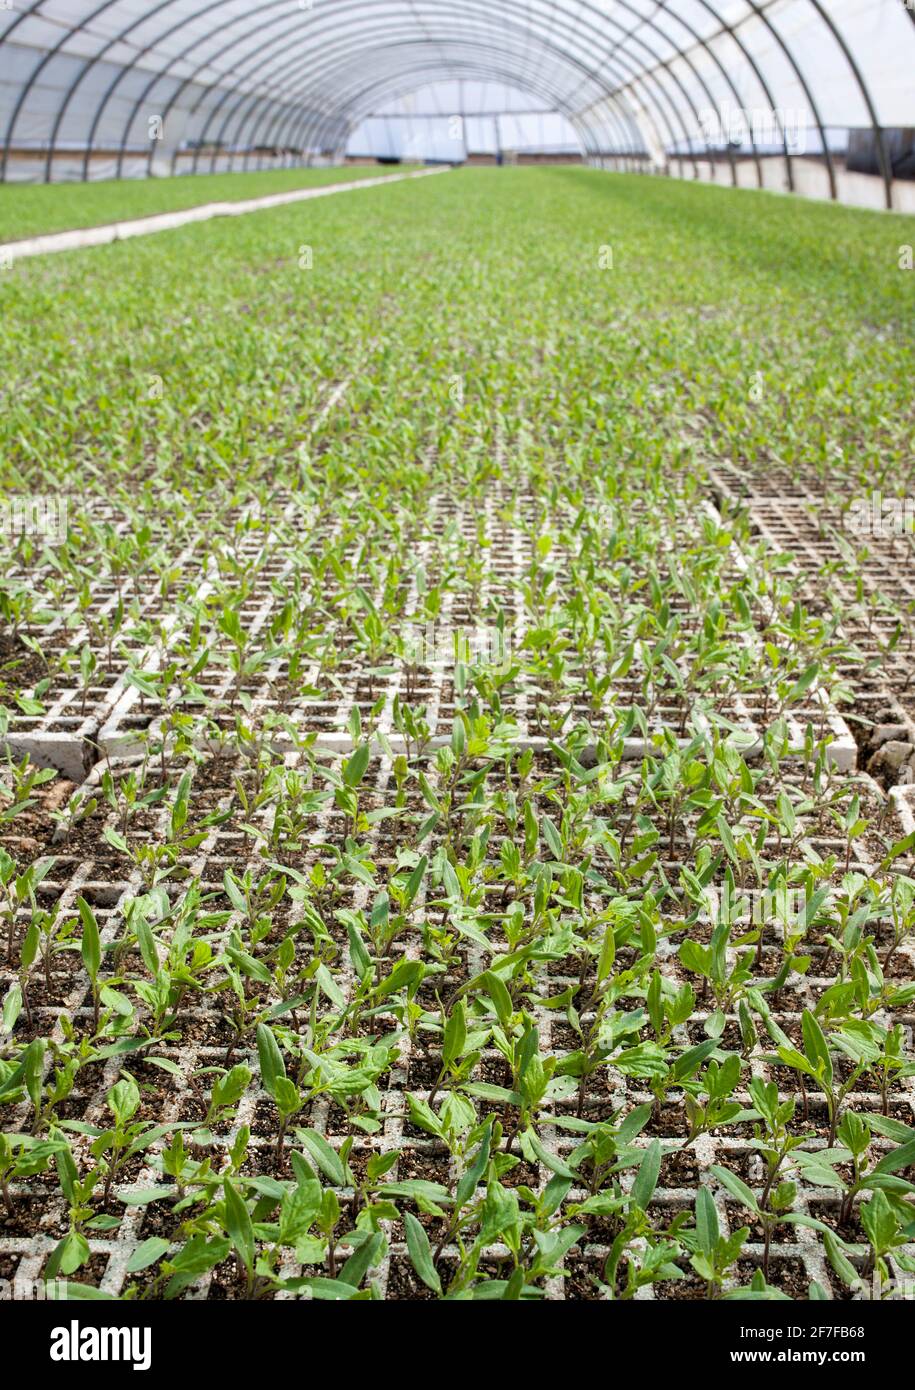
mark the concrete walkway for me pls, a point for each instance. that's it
(45, 245)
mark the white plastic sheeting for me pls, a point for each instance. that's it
(449, 121)
(158, 86)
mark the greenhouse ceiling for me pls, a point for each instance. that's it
(142, 82)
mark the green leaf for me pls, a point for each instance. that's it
(67, 1257)
(234, 893)
(231, 1087)
(474, 1174)
(30, 946)
(326, 1157)
(727, 839)
(607, 954)
(197, 1257)
(451, 883)
(903, 1157)
(792, 1058)
(803, 684)
(239, 1226)
(369, 1253)
(91, 948)
(270, 1057)
(840, 1261)
(552, 837)
(147, 944)
(706, 1221)
(816, 1047)
(120, 1004)
(455, 1035)
(358, 954)
(696, 958)
(413, 882)
(124, 1100)
(900, 847)
(690, 1060)
(458, 736)
(646, 1179)
(286, 1095)
(736, 1186)
(67, 1289)
(421, 1253)
(299, 1209)
(549, 1160)
(330, 987)
(328, 1290)
(499, 995)
(33, 1070)
(146, 1254)
(355, 767)
(879, 1221)
(12, 1007)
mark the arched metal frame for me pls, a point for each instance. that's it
(309, 132)
(653, 56)
(390, 40)
(596, 36)
(279, 42)
(665, 65)
(469, 9)
(309, 83)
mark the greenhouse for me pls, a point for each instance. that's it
(457, 660)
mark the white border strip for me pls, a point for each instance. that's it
(165, 221)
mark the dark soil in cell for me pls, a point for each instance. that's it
(160, 1220)
(495, 1071)
(31, 834)
(522, 1175)
(746, 1164)
(20, 668)
(564, 1038)
(828, 1212)
(404, 1283)
(29, 1215)
(65, 972)
(689, 1289)
(729, 1041)
(209, 1030)
(86, 840)
(787, 1274)
(738, 1216)
(423, 1072)
(669, 1122)
(228, 1281)
(260, 1160)
(679, 1170)
(581, 1283)
(415, 1163)
(92, 1272)
(265, 1122)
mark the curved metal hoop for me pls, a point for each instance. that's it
(611, 73)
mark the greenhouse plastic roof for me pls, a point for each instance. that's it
(647, 78)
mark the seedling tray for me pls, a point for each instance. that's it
(106, 881)
(532, 712)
